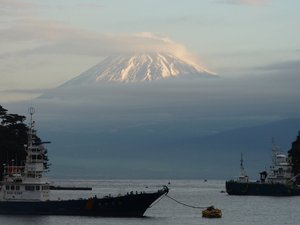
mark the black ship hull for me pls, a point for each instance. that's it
(261, 189)
(131, 205)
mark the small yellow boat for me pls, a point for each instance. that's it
(212, 212)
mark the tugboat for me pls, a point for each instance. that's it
(279, 181)
(25, 191)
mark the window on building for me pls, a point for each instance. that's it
(29, 188)
(45, 187)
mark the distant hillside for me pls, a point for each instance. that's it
(254, 142)
(165, 150)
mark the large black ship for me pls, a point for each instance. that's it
(24, 190)
(131, 205)
(280, 180)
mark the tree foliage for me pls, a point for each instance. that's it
(294, 154)
(13, 137)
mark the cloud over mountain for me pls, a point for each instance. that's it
(56, 51)
(42, 37)
(57, 38)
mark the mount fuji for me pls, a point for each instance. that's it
(140, 67)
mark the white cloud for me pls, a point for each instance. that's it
(16, 5)
(90, 5)
(36, 36)
(58, 38)
(50, 37)
(245, 2)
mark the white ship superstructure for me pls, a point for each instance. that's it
(281, 169)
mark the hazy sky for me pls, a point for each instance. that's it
(45, 43)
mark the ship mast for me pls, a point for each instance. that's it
(31, 111)
(275, 152)
(243, 176)
(34, 165)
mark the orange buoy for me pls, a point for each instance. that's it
(212, 212)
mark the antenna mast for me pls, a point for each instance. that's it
(31, 111)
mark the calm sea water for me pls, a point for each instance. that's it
(242, 210)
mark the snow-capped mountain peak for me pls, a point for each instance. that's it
(137, 68)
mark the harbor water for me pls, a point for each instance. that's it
(236, 210)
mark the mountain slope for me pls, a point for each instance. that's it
(138, 68)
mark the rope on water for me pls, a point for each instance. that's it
(157, 201)
(190, 206)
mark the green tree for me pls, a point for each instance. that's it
(294, 154)
(13, 137)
